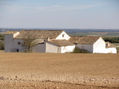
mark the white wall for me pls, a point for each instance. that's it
(8, 42)
(39, 48)
(65, 49)
(63, 36)
(11, 44)
(111, 50)
(86, 47)
(99, 46)
(50, 48)
(18, 46)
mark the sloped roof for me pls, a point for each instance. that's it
(84, 40)
(42, 34)
(110, 45)
(10, 32)
(37, 41)
(61, 42)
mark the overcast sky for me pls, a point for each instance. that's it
(99, 14)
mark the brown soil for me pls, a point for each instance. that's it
(73, 71)
(47, 85)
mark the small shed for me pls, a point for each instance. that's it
(38, 45)
(53, 46)
(59, 46)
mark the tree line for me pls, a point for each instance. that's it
(111, 39)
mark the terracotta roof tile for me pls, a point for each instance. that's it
(61, 42)
(84, 40)
(42, 34)
(37, 41)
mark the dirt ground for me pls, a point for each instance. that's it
(68, 71)
(47, 85)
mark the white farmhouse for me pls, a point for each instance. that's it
(93, 44)
(46, 41)
(54, 41)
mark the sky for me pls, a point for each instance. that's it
(79, 14)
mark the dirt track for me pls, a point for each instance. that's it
(86, 69)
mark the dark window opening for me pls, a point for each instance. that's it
(76, 43)
(17, 50)
(62, 35)
(19, 43)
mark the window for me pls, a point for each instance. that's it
(17, 50)
(19, 43)
(62, 35)
(76, 43)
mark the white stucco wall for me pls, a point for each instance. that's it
(50, 48)
(111, 50)
(18, 46)
(63, 36)
(86, 47)
(8, 42)
(11, 44)
(66, 49)
(39, 48)
(99, 46)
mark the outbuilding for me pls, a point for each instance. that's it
(93, 44)
(53, 46)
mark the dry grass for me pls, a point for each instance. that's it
(86, 69)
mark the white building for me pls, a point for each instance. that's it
(53, 46)
(54, 41)
(47, 41)
(93, 44)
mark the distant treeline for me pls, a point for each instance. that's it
(112, 39)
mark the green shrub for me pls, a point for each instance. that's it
(78, 50)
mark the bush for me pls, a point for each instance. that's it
(1, 45)
(78, 50)
(117, 49)
(112, 39)
(1, 37)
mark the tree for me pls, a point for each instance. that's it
(78, 50)
(27, 40)
(1, 42)
(1, 45)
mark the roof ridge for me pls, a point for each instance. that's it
(39, 33)
(42, 30)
